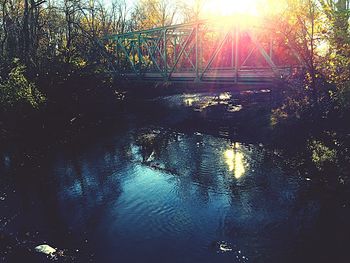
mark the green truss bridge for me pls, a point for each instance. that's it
(228, 51)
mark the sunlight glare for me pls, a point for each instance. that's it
(235, 162)
(231, 7)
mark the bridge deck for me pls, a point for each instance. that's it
(219, 75)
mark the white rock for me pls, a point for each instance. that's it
(151, 157)
(225, 248)
(46, 249)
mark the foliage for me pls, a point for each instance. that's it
(17, 89)
(153, 13)
(343, 96)
(321, 154)
(318, 30)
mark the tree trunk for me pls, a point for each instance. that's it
(25, 52)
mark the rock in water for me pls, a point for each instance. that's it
(224, 247)
(46, 249)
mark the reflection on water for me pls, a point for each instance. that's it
(196, 155)
(235, 161)
(189, 100)
(234, 108)
(202, 101)
(224, 96)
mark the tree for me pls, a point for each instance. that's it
(153, 13)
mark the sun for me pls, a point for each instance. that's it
(247, 9)
(231, 7)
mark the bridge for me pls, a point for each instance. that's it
(204, 51)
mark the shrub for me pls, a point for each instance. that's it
(16, 89)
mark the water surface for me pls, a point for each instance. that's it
(144, 192)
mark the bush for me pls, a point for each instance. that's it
(17, 90)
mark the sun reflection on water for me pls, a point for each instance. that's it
(189, 101)
(235, 161)
(225, 96)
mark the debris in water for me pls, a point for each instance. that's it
(151, 157)
(308, 179)
(234, 108)
(224, 247)
(45, 249)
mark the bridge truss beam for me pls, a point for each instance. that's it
(202, 52)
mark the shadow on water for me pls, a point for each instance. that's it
(181, 178)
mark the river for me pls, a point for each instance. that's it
(172, 185)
